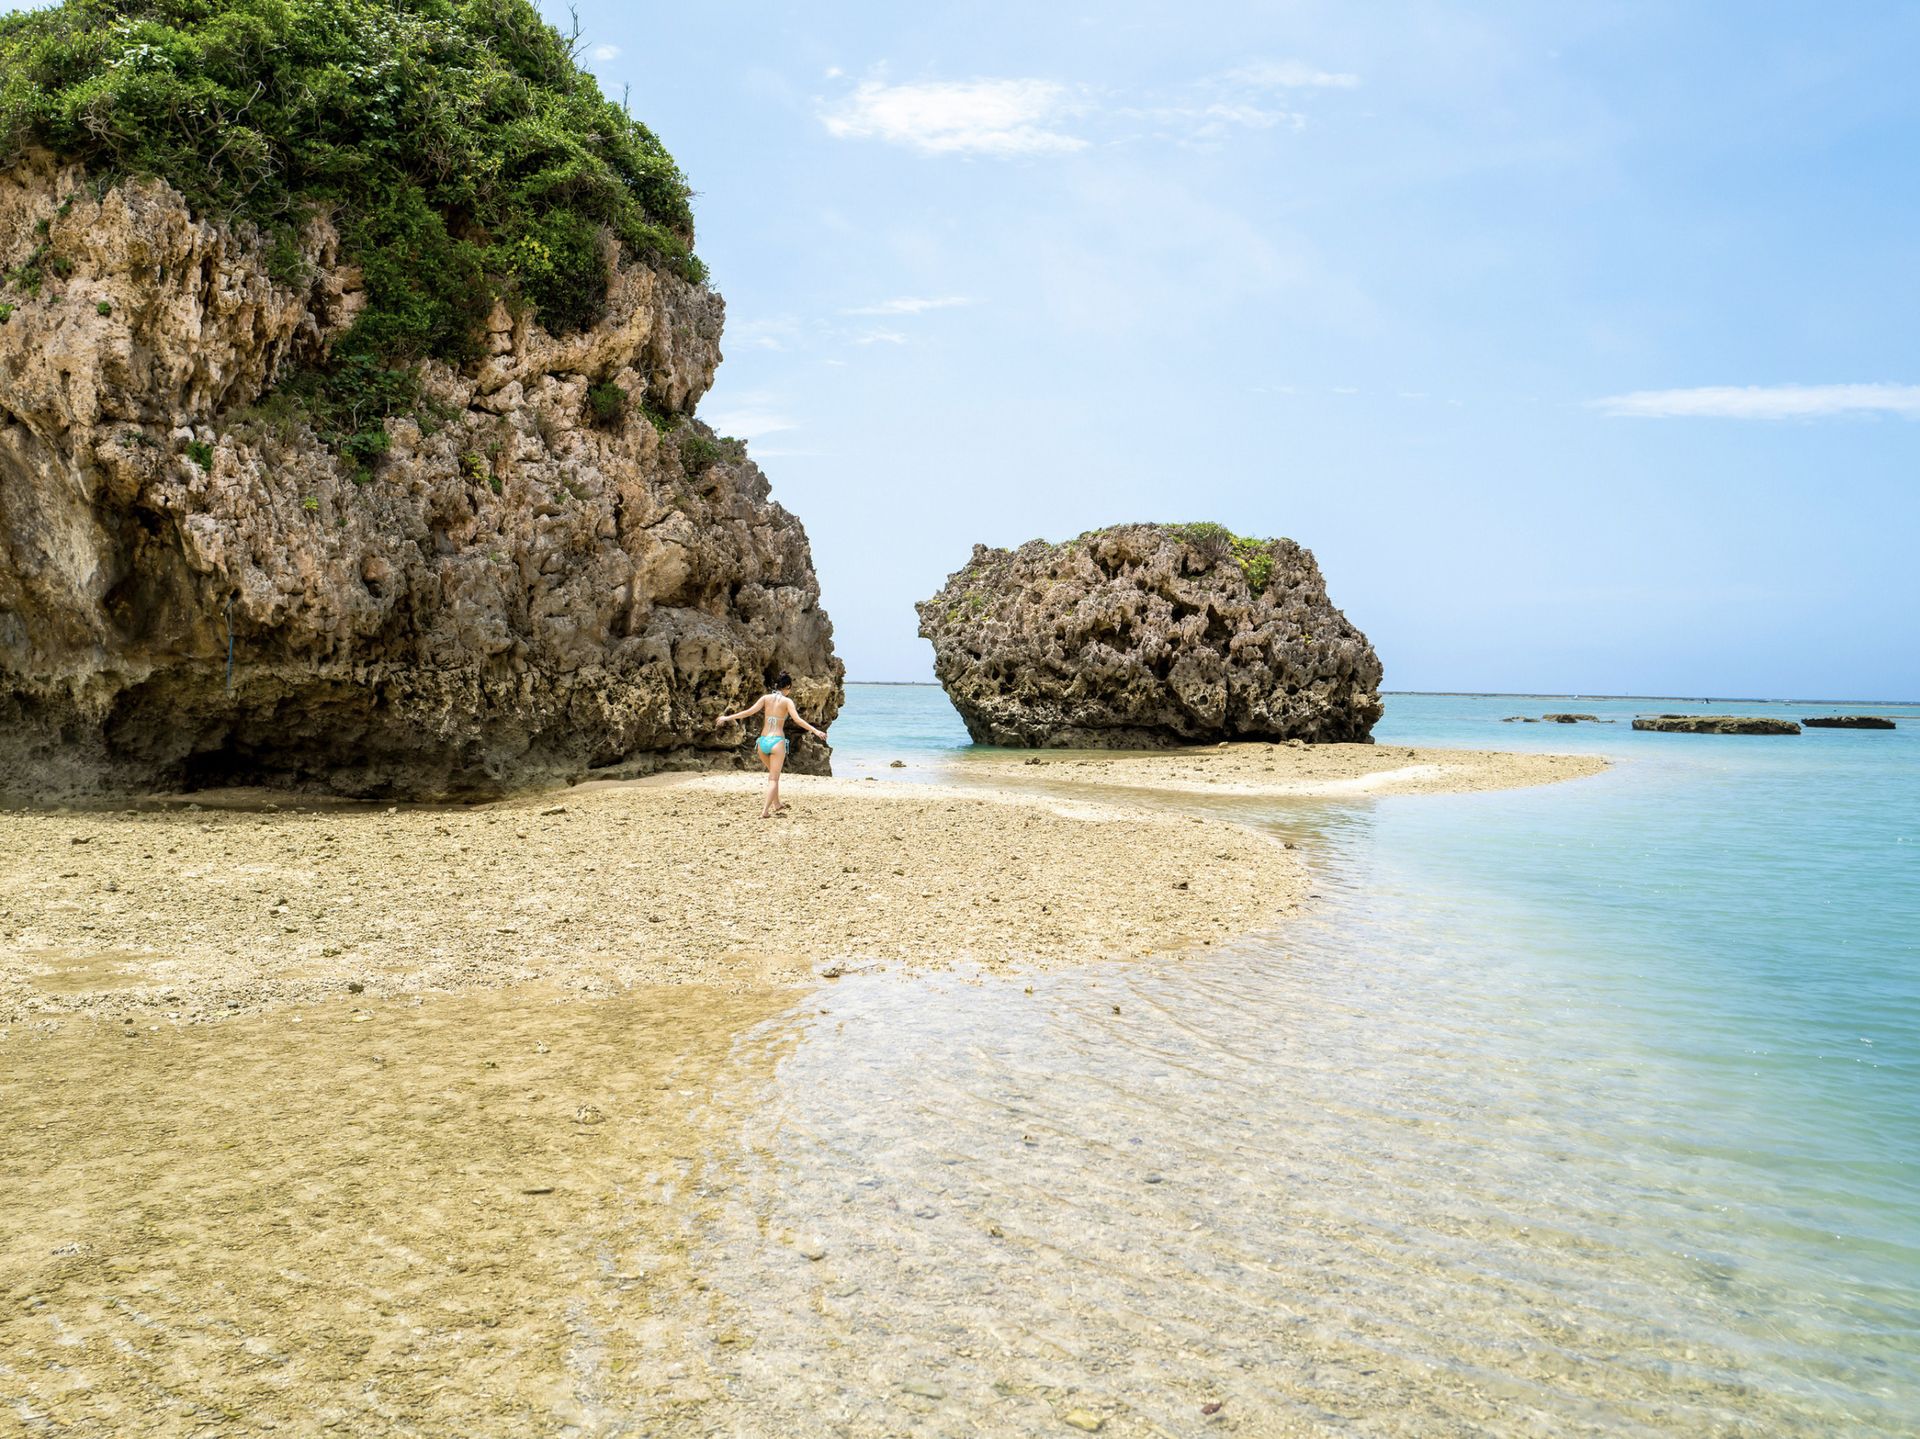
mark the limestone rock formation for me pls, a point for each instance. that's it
(1847, 722)
(1144, 636)
(530, 586)
(1715, 724)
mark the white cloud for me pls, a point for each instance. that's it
(982, 117)
(911, 305)
(880, 337)
(1291, 75)
(750, 422)
(1765, 402)
(607, 52)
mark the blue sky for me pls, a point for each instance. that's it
(1578, 342)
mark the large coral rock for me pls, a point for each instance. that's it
(1143, 636)
(195, 590)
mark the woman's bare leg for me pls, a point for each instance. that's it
(775, 762)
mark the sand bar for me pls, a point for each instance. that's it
(188, 915)
(1303, 771)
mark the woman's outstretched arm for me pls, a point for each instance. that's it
(752, 709)
(794, 710)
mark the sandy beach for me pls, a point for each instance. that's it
(202, 911)
(195, 914)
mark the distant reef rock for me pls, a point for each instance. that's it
(546, 567)
(1847, 722)
(1148, 636)
(1715, 724)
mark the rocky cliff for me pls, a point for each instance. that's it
(1143, 636)
(552, 569)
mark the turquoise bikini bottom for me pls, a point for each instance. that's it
(768, 741)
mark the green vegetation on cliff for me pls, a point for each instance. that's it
(461, 150)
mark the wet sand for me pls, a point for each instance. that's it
(450, 1217)
(182, 916)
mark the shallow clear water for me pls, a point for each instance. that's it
(1591, 1108)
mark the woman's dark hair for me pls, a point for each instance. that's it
(782, 680)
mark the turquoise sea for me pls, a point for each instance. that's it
(1592, 1108)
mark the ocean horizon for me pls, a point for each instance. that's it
(1529, 694)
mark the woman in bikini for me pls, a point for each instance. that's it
(774, 710)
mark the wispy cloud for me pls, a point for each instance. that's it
(750, 421)
(607, 52)
(1205, 125)
(767, 332)
(1765, 402)
(911, 305)
(880, 337)
(982, 117)
(1291, 75)
(1033, 116)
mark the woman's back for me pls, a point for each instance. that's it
(774, 709)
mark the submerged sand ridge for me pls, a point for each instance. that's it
(1305, 771)
(191, 915)
(464, 1217)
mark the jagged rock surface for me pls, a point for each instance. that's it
(1144, 636)
(1847, 722)
(515, 596)
(1715, 724)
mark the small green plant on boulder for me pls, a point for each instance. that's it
(201, 453)
(103, 308)
(27, 276)
(1254, 556)
(698, 453)
(607, 404)
(1204, 534)
(6, 312)
(1256, 563)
